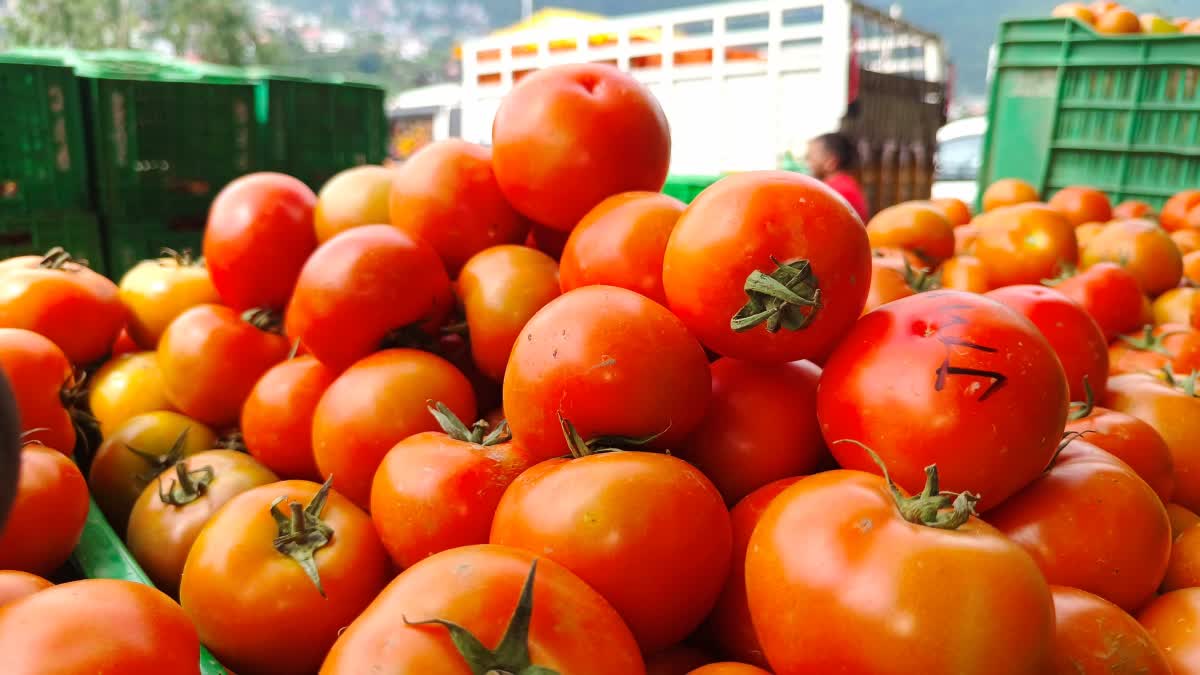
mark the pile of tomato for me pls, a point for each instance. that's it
(512, 410)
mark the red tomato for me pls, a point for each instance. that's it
(268, 591)
(729, 668)
(52, 296)
(1130, 440)
(867, 581)
(210, 359)
(1093, 635)
(15, 585)
(447, 195)
(1171, 344)
(621, 242)
(1091, 523)
(436, 491)
(1080, 205)
(729, 624)
(1070, 330)
(260, 231)
(565, 626)
(601, 515)
(1175, 211)
(1183, 570)
(48, 515)
(124, 344)
(761, 426)
(39, 373)
(600, 356)
(277, 416)
(374, 405)
(568, 136)
(362, 286)
(1143, 248)
(98, 626)
(1171, 620)
(775, 224)
(969, 367)
(1111, 294)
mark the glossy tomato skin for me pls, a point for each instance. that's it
(734, 228)
(729, 668)
(1183, 571)
(38, 372)
(1124, 553)
(1008, 192)
(968, 365)
(156, 291)
(1132, 441)
(914, 226)
(573, 630)
(806, 592)
(433, 493)
(15, 585)
(888, 284)
(1080, 205)
(98, 626)
(1132, 208)
(353, 198)
(500, 289)
(259, 233)
(161, 533)
(76, 308)
(648, 510)
(955, 210)
(1094, 636)
(1111, 294)
(1070, 330)
(1175, 415)
(1171, 621)
(1175, 212)
(128, 385)
(277, 416)
(446, 195)
(360, 286)
(599, 356)
(48, 515)
(621, 242)
(210, 359)
(761, 426)
(1175, 306)
(1176, 345)
(1024, 244)
(1143, 248)
(730, 624)
(377, 403)
(568, 136)
(255, 608)
(964, 273)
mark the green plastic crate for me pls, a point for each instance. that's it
(686, 188)
(1069, 106)
(43, 161)
(35, 233)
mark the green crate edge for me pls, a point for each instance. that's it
(101, 555)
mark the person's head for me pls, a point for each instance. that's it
(830, 153)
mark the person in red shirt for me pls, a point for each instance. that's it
(830, 158)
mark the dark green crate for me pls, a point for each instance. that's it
(686, 188)
(43, 161)
(1069, 106)
(35, 233)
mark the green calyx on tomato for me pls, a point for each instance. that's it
(232, 440)
(477, 434)
(511, 656)
(1185, 384)
(58, 258)
(1066, 270)
(302, 532)
(1081, 409)
(184, 258)
(581, 448)
(921, 279)
(156, 464)
(267, 320)
(932, 508)
(1149, 342)
(787, 298)
(187, 486)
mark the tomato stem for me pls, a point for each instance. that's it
(1149, 342)
(182, 258)
(1185, 384)
(301, 532)
(156, 464)
(581, 448)
(267, 320)
(58, 258)
(1085, 407)
(1066, 270)
(932, 508)
(789, 297)
(187, 486)
(477, 433)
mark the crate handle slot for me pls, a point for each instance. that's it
(16, 238)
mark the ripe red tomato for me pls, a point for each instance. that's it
(966, 364)
(260, 232)
(39, 373)
(167, 517)
(269, 591)
(621, 242)
(1130, 440)
(776, 224)
(500, 289)
(1091, 523)
(564, 626)
(601, 515)
(1171, 620)
(1111, 294)
(51, 296)
(375, 404)
(1143, 248)
(210, 359)
(867, 581)
(729, 623)
(1070, 330)
(1183, 570)
(436, 491)
(568, 136)
(277, 416)
(1080, 205)
(48, 515)
(1171, 344)
(98, 626)
(447, 196)
(157, 291)
(1093, 635)
(360, 287)
(600, 356)
(15, 585)
(761, 426)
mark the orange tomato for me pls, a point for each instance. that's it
(1187, 239)
(1175, 306)
(677, 660)
(964, 273)
(729, 668)
(1184, 569)
(955, 210)
(1084, 234)
(1093, 635)
(1074, 10)
(128, 385)
(1172, 620)
(1081, 205)
(888, 284)
(277, 416)
(157, 291)
(15, 585)
(1118, 21)
(914, 226)
(1008, 192)
(1132, 208)
(1175, 211)
(354, 197)
(1024, 244)
(39, 373)
(964, 239)
(1143, 248)
(1191, 267)
(1181, 519)
(1130, 440)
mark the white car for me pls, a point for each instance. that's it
(959, 155)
